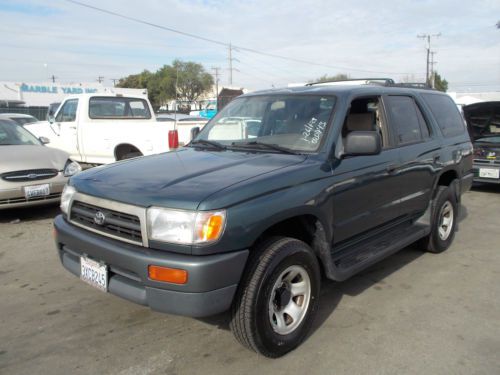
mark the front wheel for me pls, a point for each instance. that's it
(277, 299)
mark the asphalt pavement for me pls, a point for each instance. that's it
(413, 313)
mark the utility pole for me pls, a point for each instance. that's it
(100, 79)
(230, 65)
(216, 74)
(428, 37)
(433, 71)
(53, 78)
(114, 81)
(231, 59)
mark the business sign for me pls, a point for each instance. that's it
(42, 89)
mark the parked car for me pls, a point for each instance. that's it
(280, 188)
(30, 173)
(19, 118)
(104, 128)
(483, 122)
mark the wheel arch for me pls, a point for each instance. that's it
(307, 227)
(124, 148)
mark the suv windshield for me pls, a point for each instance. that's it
(13, 134)
(290, 122)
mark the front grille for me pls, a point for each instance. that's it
(29, 175)
(115, 223)
(23, 200)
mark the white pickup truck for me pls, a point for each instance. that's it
(103, 128)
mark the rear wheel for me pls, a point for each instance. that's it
(277, 299)
(444, 220)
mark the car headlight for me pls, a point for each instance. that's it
(71, 168)
(66, 197)
(185, 227)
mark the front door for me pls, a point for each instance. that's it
(66, 129)
(366, 193)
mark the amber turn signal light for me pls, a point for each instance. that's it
(168, 275)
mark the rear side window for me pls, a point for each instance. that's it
(118, 107)
(404, 118)
(446, 114)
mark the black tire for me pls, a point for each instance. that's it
(434, 242)
(251, 321)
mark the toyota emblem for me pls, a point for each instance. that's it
(99, 218)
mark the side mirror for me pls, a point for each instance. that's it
(44, 140)
(363, 143)
(51, 119)
(194, 132)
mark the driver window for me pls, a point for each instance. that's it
(68, 111)
(365, 114)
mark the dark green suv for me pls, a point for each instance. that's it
(279, 189)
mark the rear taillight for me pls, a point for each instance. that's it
(173, 139)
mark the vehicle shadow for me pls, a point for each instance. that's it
(17, 215)
(332, 292)
(485, 188)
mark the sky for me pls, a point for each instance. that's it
(359, 38)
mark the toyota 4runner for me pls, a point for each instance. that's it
(280, 188)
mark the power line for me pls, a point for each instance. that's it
(221, 43)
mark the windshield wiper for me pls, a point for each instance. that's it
(206, 142)
(262, 145)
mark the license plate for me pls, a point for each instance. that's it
(94, 273)
(489, 173)
(36, 191)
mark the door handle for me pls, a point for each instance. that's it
(72, 127)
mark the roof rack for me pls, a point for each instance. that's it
(388, 82)
(361, 81)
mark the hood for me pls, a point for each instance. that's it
(180, 179)
(19, 158)
(483, 119)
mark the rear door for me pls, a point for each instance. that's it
(419, 155)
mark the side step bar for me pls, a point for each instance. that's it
(351, 260)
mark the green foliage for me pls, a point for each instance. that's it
(191, 79)
(327, 78)
(440, 83)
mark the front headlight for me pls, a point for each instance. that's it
(66, 197)
(185, 227)
(71, 168)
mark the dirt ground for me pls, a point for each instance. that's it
(414, 313)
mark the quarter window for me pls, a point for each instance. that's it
(403, 114)
(446, 114)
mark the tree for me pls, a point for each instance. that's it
(192, 80)
(136, 81)
(327, 78)
(440, 83)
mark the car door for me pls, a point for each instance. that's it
(418, 152)
(366, 192)
(66, 129)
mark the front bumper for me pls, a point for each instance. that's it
(477, 165)
(12, 193)
(212, 280)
